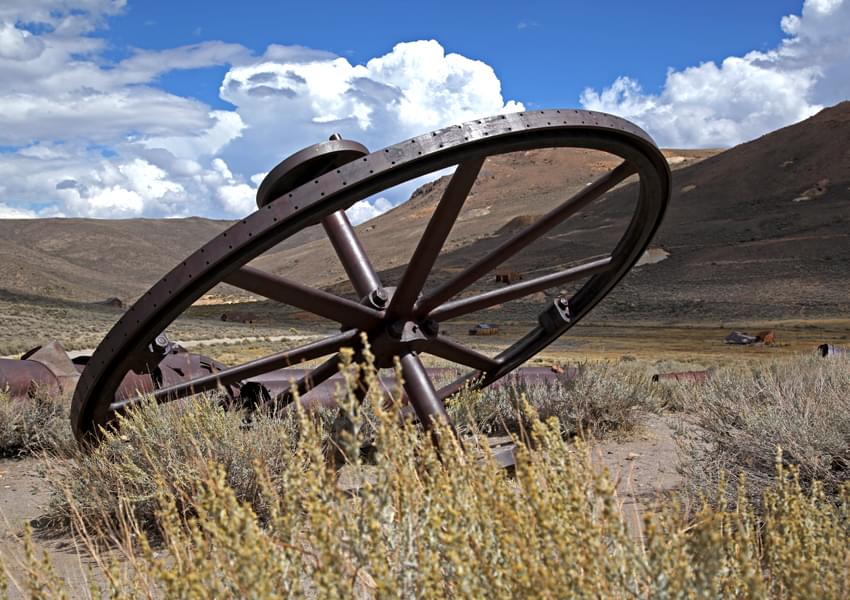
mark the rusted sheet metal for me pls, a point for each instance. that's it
(767, 337)
(830, 351)
(484, 329)
(22, 378)
(49, 368)
(740, 339)
(44, 368)
(691, 376)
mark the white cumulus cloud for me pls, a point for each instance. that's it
(746, 96)
(363, 210)
(83, 136)
(289, 100)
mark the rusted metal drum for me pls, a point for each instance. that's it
(21, 378)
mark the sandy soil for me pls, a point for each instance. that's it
(23, 499)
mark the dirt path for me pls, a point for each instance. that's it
(24, 497)
(643, 467)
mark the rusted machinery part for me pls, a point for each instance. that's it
(397, 321)
(45, 368)
(24, 378)
(277, 383)
(691, 376)
(830, 350)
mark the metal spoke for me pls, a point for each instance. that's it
(547, 222)
(318, 302)
(247, 370)
(434, 237)
(421, 392)
(351, 253)
(312, 379)
(451, 350)
(465, 306)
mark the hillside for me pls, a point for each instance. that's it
(759, 231)
(93, 259)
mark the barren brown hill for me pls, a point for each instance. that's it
(92, 259)
(756, 232)
(511, 191)
(760, 231)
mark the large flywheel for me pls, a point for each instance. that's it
(315, 186)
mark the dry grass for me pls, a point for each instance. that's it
(438, 523)
(604, 398)
(33, 424)
(189, 502)
(801, 406)
(162, 444)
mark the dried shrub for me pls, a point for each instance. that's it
(435, 524)
(603, 398)
(165, 450)
(798, 405)
(28, 425)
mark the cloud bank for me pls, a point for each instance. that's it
(743, 97)
(80, 136)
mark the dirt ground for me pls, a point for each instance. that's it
(23, 499)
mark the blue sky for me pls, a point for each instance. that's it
(127, 108)
(545, 53)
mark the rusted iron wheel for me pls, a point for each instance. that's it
(315, 186)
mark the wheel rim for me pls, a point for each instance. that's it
(397, 327)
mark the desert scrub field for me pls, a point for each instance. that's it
(28, 322)
(159, 444)
(436, 523)
(190, 501)
(800, 406)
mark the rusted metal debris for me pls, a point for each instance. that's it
(767, 337)
(49, 369)
(508, 277)
(484, 329)
(314, 187)
(830, 351)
